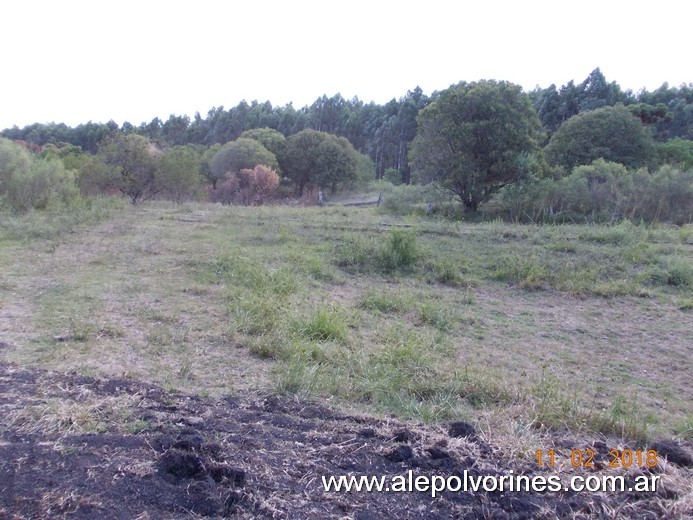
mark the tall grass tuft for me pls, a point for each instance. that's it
(400, 250)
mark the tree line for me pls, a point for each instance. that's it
(475, 139)
(383, 132)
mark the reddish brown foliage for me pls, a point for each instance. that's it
(248, 187)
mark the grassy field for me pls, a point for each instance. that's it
(515, 328)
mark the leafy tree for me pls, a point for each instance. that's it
(240, 154)
(179, 173)
(151, 130)
(319, 159)
(338, 162)
(611, 133)
(301, 161)
(678, 119)
(134, 162)
(475, 138)
(31, 181)
(365, 169)
(206, 166)
(270, 139)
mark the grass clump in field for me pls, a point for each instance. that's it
(398, 252)
(323, 325)
(384, 302)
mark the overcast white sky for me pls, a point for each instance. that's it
(73, 61)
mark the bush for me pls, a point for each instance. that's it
(680, 274)
(528, 201)
(14, 160)
(400, 250)
(355, 253)
(393, 175)
(226, 191)
(677, 152)
(601, 192)
(410, 199)
(45, 183)
(246, 187)
(669, 197)
(178, 175)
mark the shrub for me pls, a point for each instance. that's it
(400, 250)
(680, 274)
(14, 160)
(601, 192)
(226, 191)
(669, 197)
(178, 174)
(248, 186)
(355, 252)
(408, 199)
(45, 183)
(393, 175)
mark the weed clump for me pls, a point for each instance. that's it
(324, 325)
(398, 252)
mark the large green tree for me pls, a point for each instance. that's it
(241, 154)
(274, 141)
(475, 138)
(610, 133)
(319, 159)
(134, 162)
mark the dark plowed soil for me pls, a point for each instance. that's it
(154, 454)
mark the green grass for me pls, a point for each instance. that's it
(514, 325)
(323, 325)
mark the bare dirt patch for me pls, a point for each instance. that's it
(171, 455)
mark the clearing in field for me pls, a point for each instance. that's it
(520, 330)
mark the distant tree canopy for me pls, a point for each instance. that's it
(611, 133)
(382, 134)
(475, 138)
(557, 106)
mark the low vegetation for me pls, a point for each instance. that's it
(573, 326)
